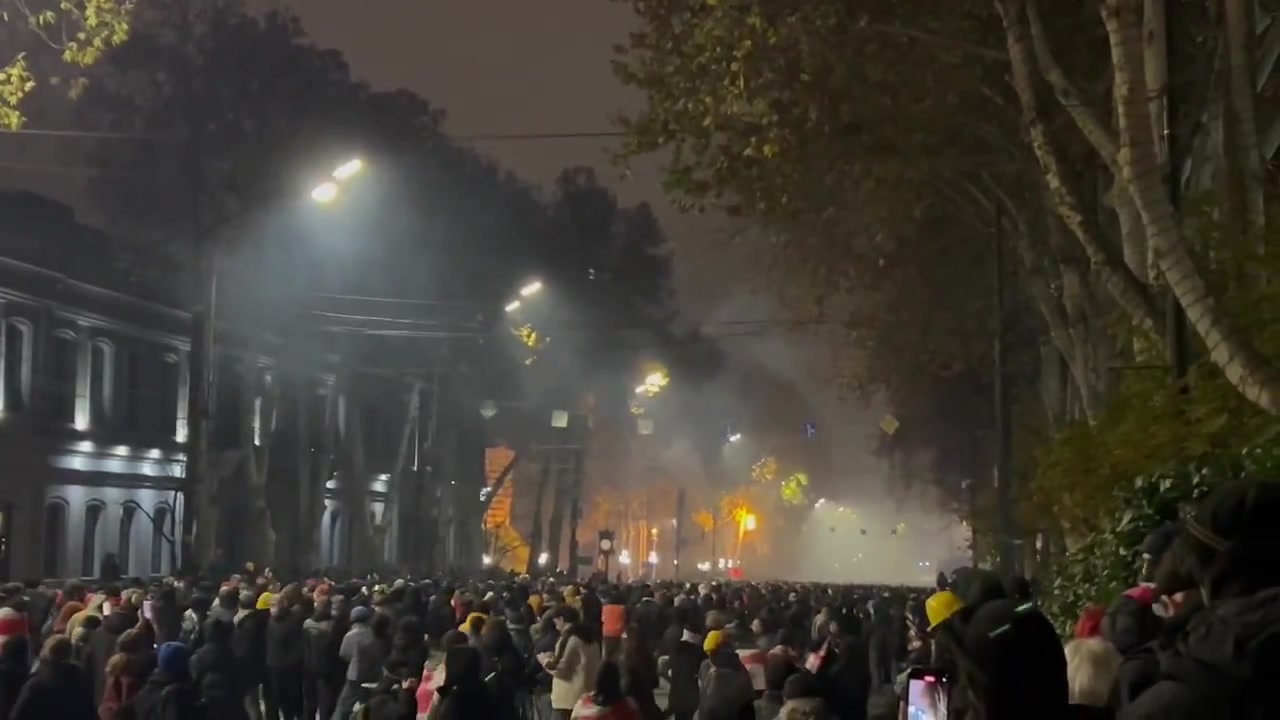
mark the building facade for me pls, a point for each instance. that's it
(92, 427)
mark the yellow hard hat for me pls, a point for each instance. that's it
(940, 606)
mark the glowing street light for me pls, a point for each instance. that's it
(749, 522)
(735, 437)
(512, 306)
(624, 557)
(653, 557)
(348, 169)
(325, 193)
(486, 560)
(642, 389)
(531, 289)
(543, 558)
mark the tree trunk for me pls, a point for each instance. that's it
(314, 467)
(535, 535)
(1242, 127)
(257, 412)
(555, 529)
(395, 492)
(1240, 362)
(1128, 291)
(355, 492)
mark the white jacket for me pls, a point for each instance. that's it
(574, 674)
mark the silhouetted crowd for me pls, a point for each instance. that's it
(1196, 637)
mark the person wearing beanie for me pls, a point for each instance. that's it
(1011, 663)
(727, 691)
(1226, 654)
(169, 692)
(364, 654)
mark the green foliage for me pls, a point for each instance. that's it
(1147, 424)
(71, 33)
(1107, 562)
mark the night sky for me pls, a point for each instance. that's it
(506, 67)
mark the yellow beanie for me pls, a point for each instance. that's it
(466, 624)
(264, 601)
(712, 641)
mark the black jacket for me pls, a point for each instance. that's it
(102, 645)
(166, 698)
(249, 641)
(285, 640)
(56, 691)
(682, 672)
(1222, 665)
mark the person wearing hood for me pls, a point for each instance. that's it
(727, 692)
(103, 641)
(1221, 663)
(57, 689)
(169, 693)
(1011, 663)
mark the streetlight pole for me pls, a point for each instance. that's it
(202, 367)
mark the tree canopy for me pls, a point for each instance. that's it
(50, 41)
(885, 148)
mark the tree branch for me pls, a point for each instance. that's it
(1086, 117)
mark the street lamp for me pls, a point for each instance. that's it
(735, 437)
(512, 306)
(531, 289)
(749, 522)
(327, 191)
(348, 169)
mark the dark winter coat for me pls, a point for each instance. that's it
(727, 693)
(1223, 665)
(285, 641)
(318, 657)
(682, 673)
(102, 646)
(15, 669)
(56, 690)
(216, 674)
(166, 698)
(249, 642)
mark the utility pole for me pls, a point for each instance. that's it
(200, 393)
(575, 504)
(1003, 475)
(680, 511)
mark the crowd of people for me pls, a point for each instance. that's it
(1195, 638)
